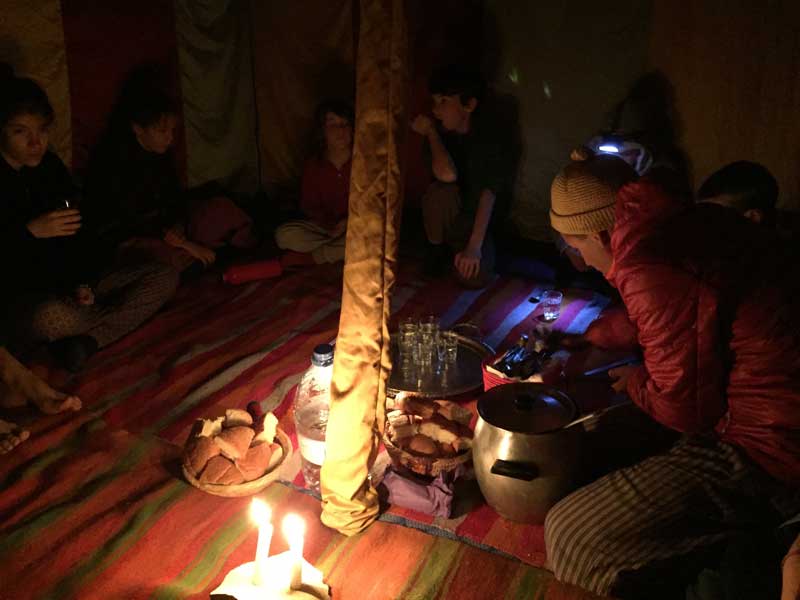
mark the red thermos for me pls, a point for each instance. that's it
(263, 269)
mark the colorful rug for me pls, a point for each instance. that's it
(93, 504)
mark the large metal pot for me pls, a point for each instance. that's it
(526, 450)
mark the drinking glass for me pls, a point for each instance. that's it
(449, 342)
(407, 343)
(426, 339)
(551, 304)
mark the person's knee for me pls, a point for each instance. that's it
(555, 525)
(291, 236)
(440, 195)
(284, 237)
(441, 206)
(159, 281)
(53, 320)
(169, 278)
(571, 535)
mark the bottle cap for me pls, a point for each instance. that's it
(322, 356)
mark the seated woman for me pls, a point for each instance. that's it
(58, 289)
(325, 193)
(712, 299)
(134, 203)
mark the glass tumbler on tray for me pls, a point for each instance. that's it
(407, 343)
(551, 305)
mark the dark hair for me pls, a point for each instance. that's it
(142, 100)
(457, 80)
(749, 184)
(338, 107)
(148, 107)
(20, 95)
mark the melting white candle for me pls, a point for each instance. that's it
(294, 528)
(261, 514)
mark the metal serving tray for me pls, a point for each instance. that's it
(443, 381)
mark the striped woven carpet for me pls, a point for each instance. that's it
(93, 506)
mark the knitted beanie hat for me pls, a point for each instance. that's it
(583, 194)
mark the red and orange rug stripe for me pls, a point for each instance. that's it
(94, 505)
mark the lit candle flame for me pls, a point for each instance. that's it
(260, 512)
(294, 528)
(262, 515)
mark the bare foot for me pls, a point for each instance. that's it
(11, 436)
(48, 400)
(22, 384)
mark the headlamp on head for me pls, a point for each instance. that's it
(632, 152)
(610, 145)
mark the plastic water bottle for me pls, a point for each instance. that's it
(311, 413)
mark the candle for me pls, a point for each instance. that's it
(261, 514)
(294, 529)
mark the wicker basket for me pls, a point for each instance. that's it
(427, 466)
(250, 487)
(424, 465)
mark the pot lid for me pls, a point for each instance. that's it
(526, 408)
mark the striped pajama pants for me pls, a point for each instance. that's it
(646, 530)
(124, 299)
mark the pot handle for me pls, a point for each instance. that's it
(515, 470)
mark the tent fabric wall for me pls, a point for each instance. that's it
(362, 361)
(104, 42)
(304, 53)
(214, 50)
(566, 64)
(32, 42)
(735, 67)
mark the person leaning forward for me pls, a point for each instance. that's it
(711, 297)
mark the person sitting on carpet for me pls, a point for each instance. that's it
(746, 187)
(325, 192)
(19, 386)
(472, 169)
(58, 289)
(712, 297)
(134, 202)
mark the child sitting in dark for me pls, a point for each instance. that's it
(135, 204)
(473, 174)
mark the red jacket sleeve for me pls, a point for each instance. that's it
(682, 381)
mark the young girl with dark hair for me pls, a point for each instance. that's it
(135, 203)
(320, 238)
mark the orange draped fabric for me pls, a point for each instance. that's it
(362, 362)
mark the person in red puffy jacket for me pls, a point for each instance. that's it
(712, 298)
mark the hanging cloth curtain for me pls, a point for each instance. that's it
(214, 50)
(32, 42)
(362, 361)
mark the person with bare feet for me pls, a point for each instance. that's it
(18, 387)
